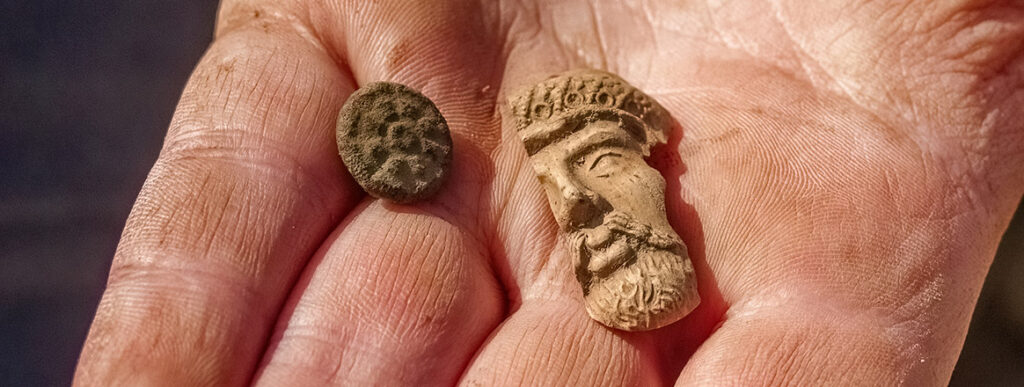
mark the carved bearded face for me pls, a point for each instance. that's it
(633, 268)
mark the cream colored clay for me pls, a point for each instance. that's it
(587, 133)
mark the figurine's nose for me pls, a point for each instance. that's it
(578, 204)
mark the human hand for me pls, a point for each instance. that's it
(842, 175)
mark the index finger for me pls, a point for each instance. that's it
(248, 184)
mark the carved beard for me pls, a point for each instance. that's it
(634, 277)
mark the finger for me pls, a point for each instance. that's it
(400, 296)
(404, 294)
(246, 187)
(552, 342)
(785, 344)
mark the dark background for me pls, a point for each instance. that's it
(87, 89)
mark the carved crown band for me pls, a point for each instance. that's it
(561, 96)
(581, 88)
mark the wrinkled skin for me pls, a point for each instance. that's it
(842, 174)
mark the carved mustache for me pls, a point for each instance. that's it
(615, 242)
(618, 224)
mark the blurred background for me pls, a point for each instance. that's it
(87, 89)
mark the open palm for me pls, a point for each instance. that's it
(841, 173)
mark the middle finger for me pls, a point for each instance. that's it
(404, 293)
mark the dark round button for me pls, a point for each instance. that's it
(394, 142)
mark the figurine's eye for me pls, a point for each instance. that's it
(605, 164)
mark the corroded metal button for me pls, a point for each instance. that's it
(394, 142)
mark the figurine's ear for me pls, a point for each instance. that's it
(657, 136)
(659, 123)
(640, 131)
